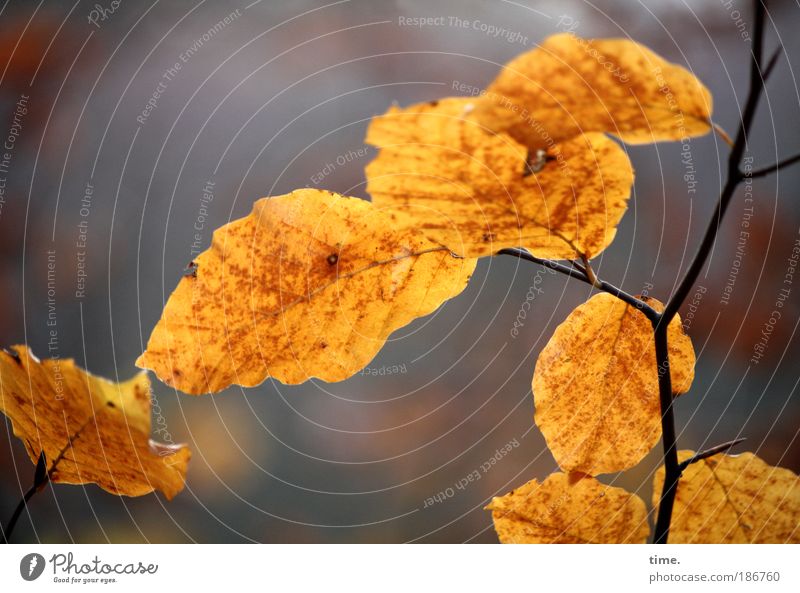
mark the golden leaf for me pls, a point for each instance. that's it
(310, 284)
(569, 509)
(570, 85)
(596, 385)
(91, 430)
(733, 499)
(478, 192)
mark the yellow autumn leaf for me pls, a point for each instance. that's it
(733, 499)
(91, 430)
(596, 385)
(569, 85)
(478, 192)
(569, 509)
(310, 284)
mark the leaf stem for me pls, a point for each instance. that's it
(672, 468)
(722, 134)
(587, 267)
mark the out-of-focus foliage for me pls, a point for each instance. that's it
(91, 430)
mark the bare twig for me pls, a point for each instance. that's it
(41, 478)
(570, 271)
(672, 470)
(734, 178)
(580, 274)
(773, 60)
(710, 452)
(671, 466)
(578, 265)
(773, 168)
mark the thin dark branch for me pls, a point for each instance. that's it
(734, 177)
(756, 86)
(40, 479)
(579, 274)
(6, 531)
(772, 168)
(672, 469)
(633, 301)
(579, 265)
(548, 263)
(710, 452)
(773, 60)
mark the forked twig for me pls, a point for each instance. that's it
(672, 468)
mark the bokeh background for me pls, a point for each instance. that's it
(259, 108)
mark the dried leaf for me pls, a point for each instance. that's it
(93, 431)
(478, 192)
(570, 85)
(310, 284)
(569, 509)
(733, 499)
(596, 385)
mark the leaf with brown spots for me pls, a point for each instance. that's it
(569, 85)
(569, 509)
(91, 430)
(478, 192)
(733, 499)
(310, 284)
(596, 385)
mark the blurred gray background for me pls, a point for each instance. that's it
(259, 106)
